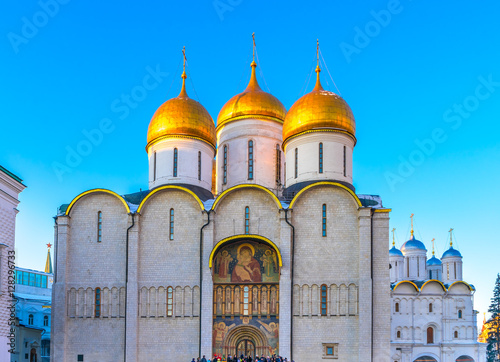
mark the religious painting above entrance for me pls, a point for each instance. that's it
(245, 262)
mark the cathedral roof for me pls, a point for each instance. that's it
(413, 244)
(433, 261)
(451, 252)
(395, 251)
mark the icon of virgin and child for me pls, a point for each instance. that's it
(246, 269)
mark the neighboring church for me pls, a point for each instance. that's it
(433, 317)
(268, 249)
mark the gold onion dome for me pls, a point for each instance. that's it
(253, 102)
(181, 117)
(319, 110)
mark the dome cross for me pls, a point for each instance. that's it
(393, 242)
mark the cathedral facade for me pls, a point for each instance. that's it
(250, 240)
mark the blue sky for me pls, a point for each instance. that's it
(422, 78)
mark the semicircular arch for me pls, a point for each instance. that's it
(242, 186)
(169, 187)
(325, 183)
(88, 192)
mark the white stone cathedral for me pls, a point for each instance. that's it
(432, 312)
(266, 250)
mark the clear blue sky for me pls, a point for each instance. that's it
(414, 73)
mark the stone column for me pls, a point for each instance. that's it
(132, 331)
(381, 287)
(206, 296)
(365, 286)
(285, 306)
(59, 291)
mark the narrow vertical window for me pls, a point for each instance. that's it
(250, 160)
(418, 267)
(171, 224)
(170, 299)
(323, 223)
(224, 179)
(296, 162)
(154, 166)
(455, 334)
(245, 300)
(247, 220)
(398, 334)
(97, 306)
(396, 307)
(344, 163)
(430, 307)
(30, 319)
(199, 165)
(407, 268)
(430, 335)
(278, 165)
(321, 157)
(460, 314)
(447, 271)
(324, 300)
(175, 162)
(99, 226)
(455, 270)
(46, 321)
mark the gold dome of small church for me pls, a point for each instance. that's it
(319, 110)
(253, 102)
(181, 117)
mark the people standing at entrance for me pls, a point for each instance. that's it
(203, 359)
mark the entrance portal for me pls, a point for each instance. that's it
(245, 348)
(247, 341)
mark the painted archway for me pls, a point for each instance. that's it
(246, 274)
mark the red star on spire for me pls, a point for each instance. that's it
(49, 245)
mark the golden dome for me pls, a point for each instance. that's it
(252, 103)
(181, 117)
(319, 110)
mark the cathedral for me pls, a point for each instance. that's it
(251, 239)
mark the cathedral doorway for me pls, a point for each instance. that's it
(246, 275)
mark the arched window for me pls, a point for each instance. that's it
(46, 321)
(170, 299)
(30, 319)
(224, 166)
(246, 298)
(247, 220)
(296, 162)
(430, 274)
(407, 267)
(250, 160)
(323, 222)
(324, 300)
(175, 162)
(171, 224)
(154, 165)
(199, 165)
(455, 334)
(447, 271)
(320, 157)
(455, 269)
(459, 313)
(278, 164)
(398, 334)
(345, 173)
(99, 226)
(97, 305)
(430, 335)
(465, 359)
(396, 307)
(430, 307)
(425, 359)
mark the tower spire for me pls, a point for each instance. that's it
(183, 93)
(411, 217)
(253, 85)
(433, 246)
(318, 86)
(451, 238)
(393, 242)
(48, 262)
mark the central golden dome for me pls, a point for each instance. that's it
(181, 117)
(252, 103)
(319, 110)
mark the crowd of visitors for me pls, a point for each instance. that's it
(242, 358)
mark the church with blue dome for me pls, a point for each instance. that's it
(432, 311)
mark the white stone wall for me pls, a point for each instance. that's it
(452, 269)
(265, 134)
(397, 268)
(9, 193)
(417, 261)
(187, 162)
(308, 157)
